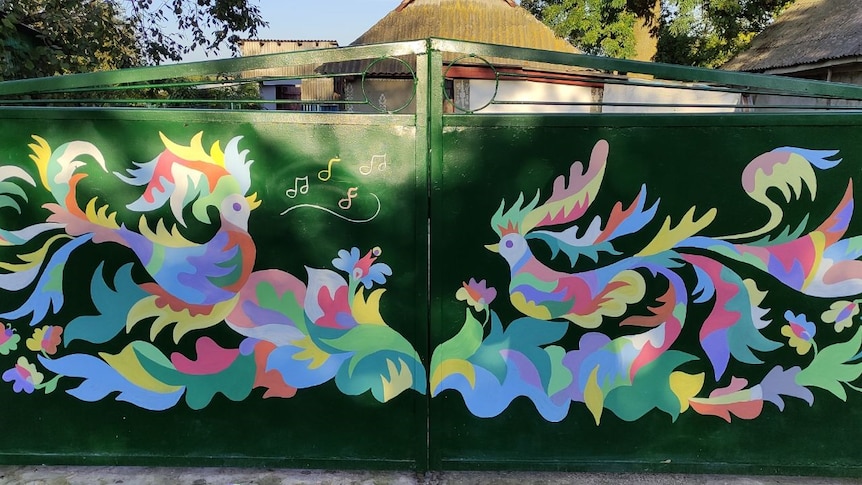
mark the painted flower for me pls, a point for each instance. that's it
(45, 339)
(478, 295)
(363, 269)
(8, 340)
(24, 376)
(799, 332)
(841, 313)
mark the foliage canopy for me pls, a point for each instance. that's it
(48, 37)
(691, 32)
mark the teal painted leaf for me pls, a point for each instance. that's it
(527, 336)
(744, 336)
(234, 381)
(649, 390)
(113, 306)
(488, 356)
(385, 373)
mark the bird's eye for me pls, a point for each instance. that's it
(237, 206)
(510, 243)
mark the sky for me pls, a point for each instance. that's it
(339, 20)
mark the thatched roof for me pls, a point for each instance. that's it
(489, 21)
(808, 32)
(500, 22)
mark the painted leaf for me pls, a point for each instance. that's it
(457, 349)
(303, 364)
(385, 373)
(733, 400)
(113, 306)
(652, 388)
(232, 379)
(48, 294)
(364, 340)
(732, 326)
(101, 380)
(780, 382)
(830, 367)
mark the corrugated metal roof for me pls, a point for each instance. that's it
(253, 47)
(277, 41)
(809, 31)
(488, 21)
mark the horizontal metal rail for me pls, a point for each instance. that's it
(131, 87)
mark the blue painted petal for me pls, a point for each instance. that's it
(297, 373)
(100, 379)
(48, 294)
(818, 158)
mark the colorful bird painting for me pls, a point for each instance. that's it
(188, 230)
(689, 269)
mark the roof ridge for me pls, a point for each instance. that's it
(405, 3)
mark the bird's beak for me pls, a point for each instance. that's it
(253, 201)
(494, 248)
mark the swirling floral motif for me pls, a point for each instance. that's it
(24, 376)
(45, 339)
(841, 314)
(476, 294)
(8, 340)
(640, 371)
(799, 332)
(363, 269)
(297, 334)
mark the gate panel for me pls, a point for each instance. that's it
(647, 293)
(185, 290)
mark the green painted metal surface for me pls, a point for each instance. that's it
(666, 398)
(671, 292)
(288, 357)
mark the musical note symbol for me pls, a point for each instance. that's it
(326, 173)
(382, 165)
(291, 192)
(347, 202)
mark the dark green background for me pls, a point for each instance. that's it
(320, 426)
(478, 161)
(685, 160)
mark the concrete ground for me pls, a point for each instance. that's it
(53, 475)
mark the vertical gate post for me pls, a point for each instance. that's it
(425, 134)
(435, 80)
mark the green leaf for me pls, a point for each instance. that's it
(830, 367)
(365, 340)
(463, 345)
(649, 390)
(235, 382)
(286, 304)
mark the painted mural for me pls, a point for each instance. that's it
(639, 365)
(294, 332)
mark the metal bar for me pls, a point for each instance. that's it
(202, 68)
(613, 120)
(422, 201)
(434, 80)
(677, 105)
(658, 70)
(97, 101)
(663, 84)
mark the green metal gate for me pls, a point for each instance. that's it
(452, 283)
